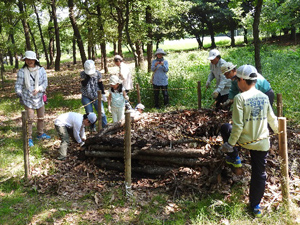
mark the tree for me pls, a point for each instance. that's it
(57, 39)
(257, 12)
(25, 24)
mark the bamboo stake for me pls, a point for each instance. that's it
(279, 105)
(127, 154)
(199, 94)
(25, 144)
(283, 153)
(138, 93)
(99, 111)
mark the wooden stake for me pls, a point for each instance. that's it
(127, 153)
(138, 93)
(25, 144)
(199, 94)
(99, 111)
(283, 153)
(279, 105)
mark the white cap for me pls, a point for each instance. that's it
(30, 55)
(140, 106)
(114, 80)
(118, 58)
(160, 51)
(244, 72)
(213, 54)
(89, 67)
(92, 117)
(227, 66)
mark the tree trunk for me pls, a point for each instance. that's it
(128, 35)
(102, 39)
(150, 37)
(256, 34)
(34, 43)
(232, 38)
(51, 39)
(139, 52)
(42, 36)
(200, 43)
(25, 26)
(245, 36)
(212, 34)
(57, 39)
(120, 31)
(74, 50)
(76, 31)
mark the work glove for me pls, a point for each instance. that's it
(109, 109)
(82, 143)
(104, 99)
(215, 94)
(127, 97)
(226, 148)
(207, 84)
(227, 103)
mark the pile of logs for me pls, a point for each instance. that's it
(162, 141)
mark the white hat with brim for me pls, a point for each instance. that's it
(30, 55)
(140, 106)
(213, 54)
(89, 67)
(113, 80)
(226, 67)
(245, 71)
(92, 117)
(160, 51)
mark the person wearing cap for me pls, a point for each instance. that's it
(72, 125)
(116, 98)
(222, 83)
(229, 70)
(30, 87)
(124, 73)
(91, 83)
(139, 109)
(252, 112)
(159, 79)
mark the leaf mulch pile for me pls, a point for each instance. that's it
(79, 175)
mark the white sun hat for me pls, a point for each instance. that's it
(213, 54)
(89, 67)
(160, 51)
(113, 80)
(30, 55)
(226, 67)
(245, 71)
(140, 106)
(92, 117)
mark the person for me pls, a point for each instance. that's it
(220, 94)
(91, 82)
(30, 87)
(251, 114)
(72, 125)
(229, 70)
(159, 78)
(124, 73)
(116, 98)
(139, 109)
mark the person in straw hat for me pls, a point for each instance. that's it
(159, 78)
(30, 87)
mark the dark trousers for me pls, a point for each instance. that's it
(164, 90)
(258, 165)
(271, 95)
(221, 99)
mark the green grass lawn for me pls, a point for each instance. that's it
(22, 203)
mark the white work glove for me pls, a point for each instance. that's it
(82, 143)
(207, 84)
(215, 94)
(104, 99)
(226, 147)
(227, 103)
(109, 109)
(127, 97)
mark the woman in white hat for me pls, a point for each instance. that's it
(116, 98)
(30, 86)
(159, 79)
(91, 83)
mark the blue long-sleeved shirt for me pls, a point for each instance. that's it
(160, 77)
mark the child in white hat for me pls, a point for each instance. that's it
(116, 98)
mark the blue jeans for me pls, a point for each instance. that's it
(89, 108)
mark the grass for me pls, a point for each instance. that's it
(21, 203)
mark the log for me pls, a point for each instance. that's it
(104, 154)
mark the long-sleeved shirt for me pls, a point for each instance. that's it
(125, 75)
(92, 87)
(261, 84)
(30, 100)
(222, 83)
(250, 116)
(72, 120)
(160, 77)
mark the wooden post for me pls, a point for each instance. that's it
(199, 94)
(138, 93)
(99, 111)
(279, 105)
(25, 144)
(127, 153)
(283, 153)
